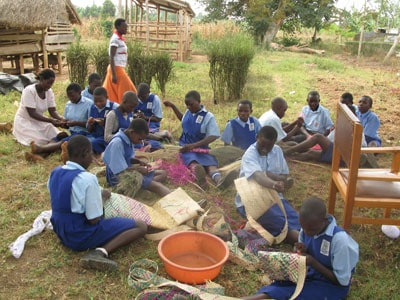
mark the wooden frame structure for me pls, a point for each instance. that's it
(362, 188)
(45, 39)
(161, 25)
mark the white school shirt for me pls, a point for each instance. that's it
(270, 118)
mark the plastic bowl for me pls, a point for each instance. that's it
(193, 256)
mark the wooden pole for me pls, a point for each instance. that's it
(147, 27)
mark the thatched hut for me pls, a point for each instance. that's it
(162, 25)
(35, 29)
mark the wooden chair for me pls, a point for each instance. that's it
(362, 188)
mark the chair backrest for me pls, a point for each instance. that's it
(348, 137)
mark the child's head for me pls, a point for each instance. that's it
(279, 106)
(313, 100)
(129, 101)
(80, 150)
(312, 216)
(100, 97)
(46, 79)
(74, 92)
(244, 109)
(143, 91)
(266, 139)
(364, 104)
(137, 130)
(121, 26)
(94, 81)
(347, 98)
(192, 101)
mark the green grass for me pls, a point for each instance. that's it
(48, 270)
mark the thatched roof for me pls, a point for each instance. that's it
(36, 14)
(171, 5)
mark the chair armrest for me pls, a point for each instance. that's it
(380, 149)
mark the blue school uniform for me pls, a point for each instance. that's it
(76, 198)
(333, 248)
(151, 107)
(117, 157)
(196, 127)
(317, 121)
(78, 112)
(98, 142)
(370, 122)
(85, 93)
(273, 219)
(241, 134)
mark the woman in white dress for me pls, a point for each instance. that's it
(30, 123)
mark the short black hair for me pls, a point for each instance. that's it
(46, 74)
(193, 94)
(348, 96)
(312, 208)
(313, 94)
(118, 22)
(277, 102)
(73, 86)
(100, 91)
(129, 96)
(78, 146)
(139, 126)
(143, 88)
(246, 102)
(268, 132)
(94, 76)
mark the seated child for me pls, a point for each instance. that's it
(97, 117)
(149, 109)
(94, 81)
(317, 118)
(369, 121)
(119, 156)
(331, 257)
(273, 118)
(77, 211)
(120, 117)
(264, 162)
(347, 98)
(199, 129)
(76, 114)
(241, 131)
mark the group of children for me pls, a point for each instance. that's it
(104, 126)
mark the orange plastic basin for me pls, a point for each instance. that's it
(192, 256)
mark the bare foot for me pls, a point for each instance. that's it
(33, 157)
(35, 149)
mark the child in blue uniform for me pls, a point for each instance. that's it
(94, 81)
(331, 257)
(242, 131)
(120, 117)
(77, 210)
(199, 129)
(317, 118)
(149, 109)
(97, 117)
(369, 121)
(119, 156)
(264, 162)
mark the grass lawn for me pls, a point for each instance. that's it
(47, 270)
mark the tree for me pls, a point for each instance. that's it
(266, 17)
(108, 9)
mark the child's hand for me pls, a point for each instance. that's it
(279, 186)
(300, 121)
(300, 248)
(186, 148)
(91, 121)
(168, 103)
(99, 121)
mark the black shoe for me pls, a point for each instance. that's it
(97, 260)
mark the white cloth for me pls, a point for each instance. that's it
(121, 55)
(27, 129)
(270, 118)
(41, 223)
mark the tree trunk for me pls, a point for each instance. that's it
(392, 49)
(360, 42)
(271, 32)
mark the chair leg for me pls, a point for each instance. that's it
(332, 197)
(347, 214)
